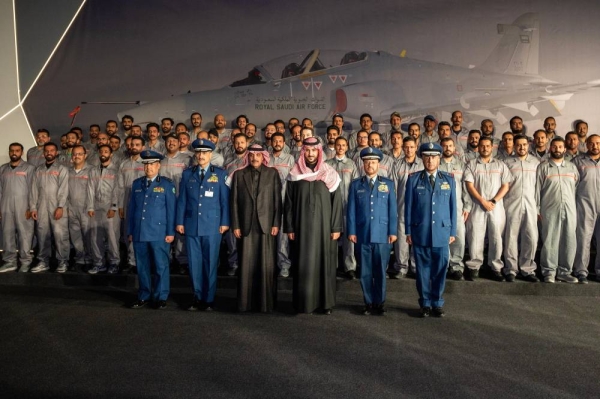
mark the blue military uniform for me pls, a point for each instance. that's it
(202, 207)
(430, 214)
(372, 216)
(151, 218)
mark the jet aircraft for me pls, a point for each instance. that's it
(320, 83)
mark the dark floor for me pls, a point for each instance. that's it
(76, 343)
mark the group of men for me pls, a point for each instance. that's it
(281, 203)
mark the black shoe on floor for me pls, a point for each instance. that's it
(456, 275)
(473, 274)
(327, 312)
(161, 305)
(379, 309)
(367, 310)
(510, 278)
(438, 312)
(426, 311)
(532, 278)
(209, 307)
(138, 304)
(497, 276)
(196, 305)
(351, 274)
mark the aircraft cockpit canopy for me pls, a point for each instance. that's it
(300, 63)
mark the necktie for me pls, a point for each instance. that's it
(371, 184)
(432, 181)
(148, 183)
(202, 175)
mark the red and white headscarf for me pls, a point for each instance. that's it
(322, 171)
(253, 148)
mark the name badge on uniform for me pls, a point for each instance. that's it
(209, 194)
(445, 186)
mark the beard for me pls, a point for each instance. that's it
(557, 154)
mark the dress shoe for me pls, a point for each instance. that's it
(327, 312)
(209, 307)
(351, 274)
(426, 311)
(497, 276)
(582, 279)
(510, 277)
(531, 278)
(456, 275)
(438, 312)
(367, 310)
(379, 309)
(473, 274)
(138, 304)
(196, 305)
(549, 279)
(161, 305)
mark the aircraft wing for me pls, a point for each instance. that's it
(531, 100)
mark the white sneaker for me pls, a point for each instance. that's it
(40, 267)
(567, 279)
(61, 268)
(9, 267)
(97, 269)
(285, 273)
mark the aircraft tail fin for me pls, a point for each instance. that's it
(517, 53)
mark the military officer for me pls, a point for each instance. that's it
(372, 225)
(151, 228)
(203, 216)
(430, 217)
